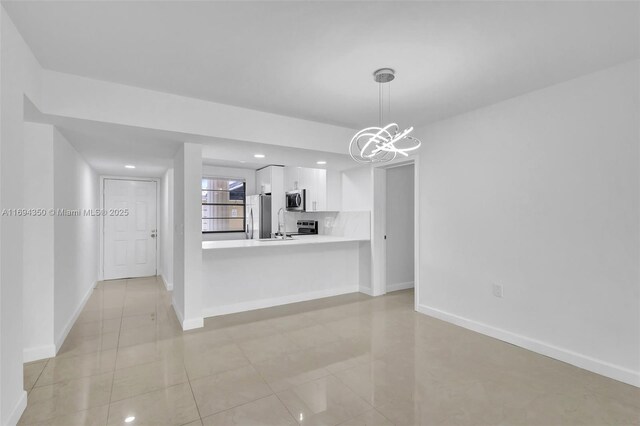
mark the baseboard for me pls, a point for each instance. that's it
(276, 301)
(67, 328)
(192, 323)
(399, 286)
(167, 285)
(38, 352)
(579, 360)
(17, 411)
(366, 290)
(188, 324)
(177, 311)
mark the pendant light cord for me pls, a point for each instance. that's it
(389, 103)
(380, 104)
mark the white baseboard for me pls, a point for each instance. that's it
(178, 312)
(192, 323)
(67, 328)
(399, 286)
(579, 360)
(167, 285)
(38, 352)
(187, 324)
(17, 411)
(366, 290)
(276, 301)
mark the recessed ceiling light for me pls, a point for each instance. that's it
(129, 166)
(321, 162)
(259, 155)
(129, 419)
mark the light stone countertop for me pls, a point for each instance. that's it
(297, 240)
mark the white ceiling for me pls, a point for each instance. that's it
(314, 59)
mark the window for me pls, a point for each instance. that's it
(223, 203)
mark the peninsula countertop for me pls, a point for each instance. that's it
(297, 240)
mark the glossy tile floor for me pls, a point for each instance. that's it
(351, 360)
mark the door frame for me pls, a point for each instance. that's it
(140, 179)
(380, 256)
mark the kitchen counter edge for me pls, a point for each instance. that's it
(298, 240)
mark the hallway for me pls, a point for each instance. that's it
(350, 360)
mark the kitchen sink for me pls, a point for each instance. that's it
(276, 239)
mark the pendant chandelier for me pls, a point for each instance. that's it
(382, 144)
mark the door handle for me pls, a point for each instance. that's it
(153, 235)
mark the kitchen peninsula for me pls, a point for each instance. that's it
(242, 275)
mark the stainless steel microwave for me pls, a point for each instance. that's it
(296, 200)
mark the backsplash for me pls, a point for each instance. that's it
(340, 224)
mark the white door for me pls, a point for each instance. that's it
(130, 231)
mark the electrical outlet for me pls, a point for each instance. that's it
(497, 290)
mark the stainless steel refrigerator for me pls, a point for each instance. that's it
(258, 212)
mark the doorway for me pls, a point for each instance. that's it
(130, 231)
(400, 227)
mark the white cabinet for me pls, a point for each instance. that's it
(314, 181)
(317, 193)
(263, 180)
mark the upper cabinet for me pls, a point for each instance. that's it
(314, 181)
(263, 181)
(270, 180)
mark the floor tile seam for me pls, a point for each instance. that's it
(232, 407)
(69, 413)
(263, 378)
(354, 391)
(158, 323)
(385, 417)
(138, 313)
(75, 378)
(296, 352)
(113, 378)
(239, 405)
(288, 388)
(286, 407)
(148, 391)
(66, 356)
(90, 336)
(37, 378)
(142, 363)
(140, 394)
(193, 395)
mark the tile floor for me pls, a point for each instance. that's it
(350, 360)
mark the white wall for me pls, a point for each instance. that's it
(187, 236)
(73, 96)
(378, 229)
(19, 77)
(540, 194)
(334, 190)
(77, 238)
(357, 189)
(166, 229)
(400, 227)
(38, 263)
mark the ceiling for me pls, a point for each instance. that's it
(314, 60)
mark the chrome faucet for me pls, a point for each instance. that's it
(282, 226)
